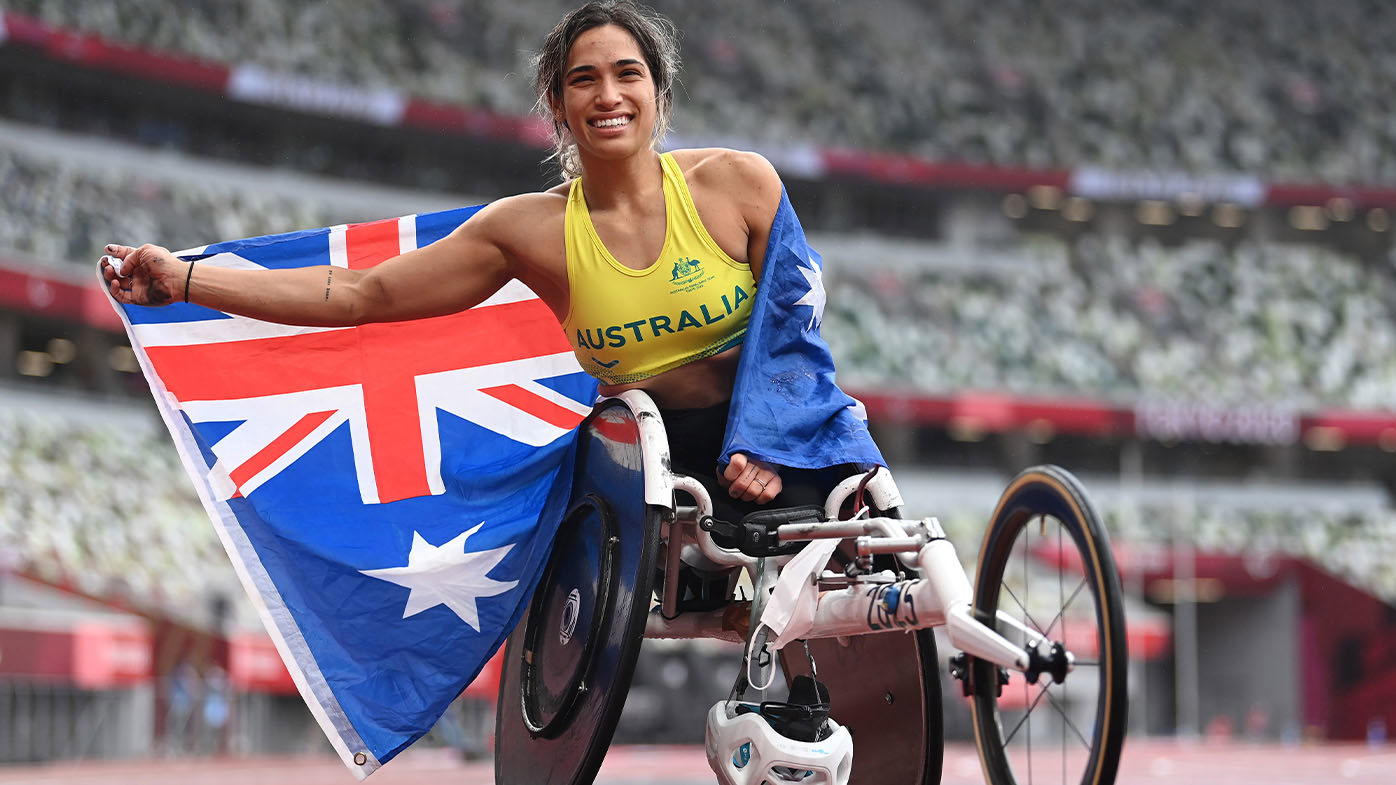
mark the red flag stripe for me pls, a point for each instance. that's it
(371, 243)
(273, 366)
(279, 447)
(384, 359)
(534, 404)
(399, 468)
(371, 355)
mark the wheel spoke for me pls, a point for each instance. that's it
(1027, 589)
(1024, 609)
(1026, 715)
(1082, 710)
(1065, 605)
(1061, 576)
(1068, 723)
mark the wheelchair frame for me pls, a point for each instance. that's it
(561, 705)
(865, 603)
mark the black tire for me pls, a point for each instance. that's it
(569, 662)
(1045, 535)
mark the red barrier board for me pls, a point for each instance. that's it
(93, 655)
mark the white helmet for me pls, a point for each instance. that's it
(743, 749)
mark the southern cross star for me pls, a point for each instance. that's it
(814, 298)
(447, 575)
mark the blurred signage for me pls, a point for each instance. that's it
(1191, 421)
(254, 665)
(1109, 185)
(55, 296)
(93, 51)
(108, 656)
(260, 86)
(91, 655)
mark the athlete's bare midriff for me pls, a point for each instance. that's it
(695, 385)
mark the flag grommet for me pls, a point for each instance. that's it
(360, 759)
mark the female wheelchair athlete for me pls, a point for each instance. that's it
(1041, 631)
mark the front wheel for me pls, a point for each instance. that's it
(1046, 563)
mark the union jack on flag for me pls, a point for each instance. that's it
(388, 493)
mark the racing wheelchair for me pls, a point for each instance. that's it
(1041, 632)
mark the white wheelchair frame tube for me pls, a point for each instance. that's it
(943, 595)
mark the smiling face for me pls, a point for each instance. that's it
(600, 34)
(608, 94)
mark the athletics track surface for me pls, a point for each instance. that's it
(1148, 762)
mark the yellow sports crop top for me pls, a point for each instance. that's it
(626, 325)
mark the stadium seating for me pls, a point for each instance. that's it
(106, 509)
(1279, 323)
(122, 522)
(1235, 89)
(60, 211)
(1285, 324)
(1244, 86)
(94, 498)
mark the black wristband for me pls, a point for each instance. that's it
(188, 276)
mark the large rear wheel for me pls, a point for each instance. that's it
(567, 666)
(1046, 563)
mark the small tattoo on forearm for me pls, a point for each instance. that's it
(328, 279)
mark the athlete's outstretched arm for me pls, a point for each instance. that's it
(452, 274)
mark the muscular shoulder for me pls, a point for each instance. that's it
(518, 224)
(739, 170)
(521, 214)
(746, 179)
(523, 234)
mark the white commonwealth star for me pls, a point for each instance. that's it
(447, 575)
(814, 298)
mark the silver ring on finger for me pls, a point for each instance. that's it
(763, 482)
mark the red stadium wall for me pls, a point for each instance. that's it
(1346, 638)
(91, 655)
(1351, 638)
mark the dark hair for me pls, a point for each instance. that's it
(658, 41)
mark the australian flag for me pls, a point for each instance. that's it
(388, 493)
(381, 489)
(786, 407)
